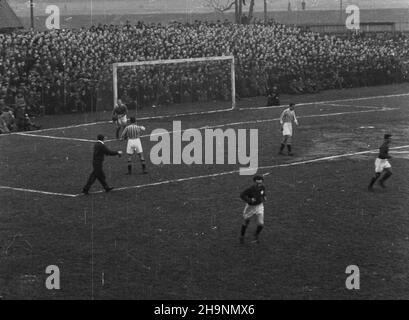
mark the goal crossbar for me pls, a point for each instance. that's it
(117, 65)
(171, 61)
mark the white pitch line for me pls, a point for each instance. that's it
(224, 110)
(39, 192)
(331, 101)
(329, 158)
(231, 124)
(351, 106)
(143, 118)
(186, 114)
(369, 98)
(70, 127)
(219, 174)
(52, 137)
(400, 152)
(393, 152)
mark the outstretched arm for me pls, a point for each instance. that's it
(109, 152)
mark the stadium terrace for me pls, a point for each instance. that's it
(64, 71)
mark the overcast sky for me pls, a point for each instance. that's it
(197, 5)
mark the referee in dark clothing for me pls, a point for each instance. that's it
(100, 151)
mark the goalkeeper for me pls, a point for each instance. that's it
(120, 116)
(254, 197)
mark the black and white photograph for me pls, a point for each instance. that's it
(204, 154)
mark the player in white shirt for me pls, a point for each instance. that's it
(132, 133)
(286, 121)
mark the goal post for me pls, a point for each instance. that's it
(138, 67)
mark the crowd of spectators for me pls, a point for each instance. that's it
(63, 71)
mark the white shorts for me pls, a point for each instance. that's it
(287, 129)
(122, 121)
(381, 164)
(134, 145)
(258, 211)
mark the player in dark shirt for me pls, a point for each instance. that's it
(120, 117)
(382, 164)
(255, 196)
(273, 98)
(100, 151)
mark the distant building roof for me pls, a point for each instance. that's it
(8, 18)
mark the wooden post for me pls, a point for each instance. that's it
(236, 7)
(240, 10)
(32, 13)
(251, 11)
(265, 12)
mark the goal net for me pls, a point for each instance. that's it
(161, 88)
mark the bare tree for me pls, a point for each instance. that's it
(265, 11)
(240, 14)
(220, 6)
(251, 10)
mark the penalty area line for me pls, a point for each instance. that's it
(71, 126)
(214, 175)
(220, 174)
(218, 111)
(231, 124)
(53, 137)
(39, 192)
(329, 102)
(353, 106)
(329, 158)
(138, 119)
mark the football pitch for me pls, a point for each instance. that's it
(174, 233)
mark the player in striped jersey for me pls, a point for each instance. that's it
(133, 134)
(120, 116)
(286, 120)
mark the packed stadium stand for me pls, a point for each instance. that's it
(65, 70)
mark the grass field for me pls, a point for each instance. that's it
(173, 234)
